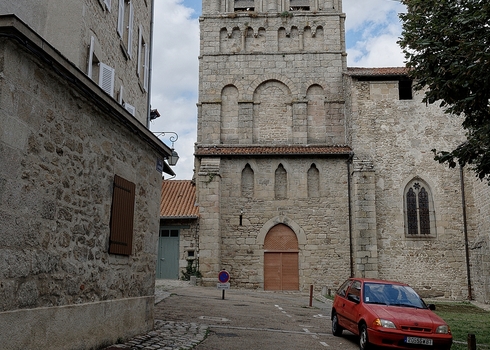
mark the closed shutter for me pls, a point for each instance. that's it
(131, 109)
(122, 217)
(106, 78)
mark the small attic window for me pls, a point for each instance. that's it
(405, 89)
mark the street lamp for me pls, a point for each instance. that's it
(174, 157)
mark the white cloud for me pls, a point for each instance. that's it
(372, 30)
(175, 78)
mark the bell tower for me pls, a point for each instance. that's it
(270, 87)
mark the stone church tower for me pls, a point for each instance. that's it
(307, 171)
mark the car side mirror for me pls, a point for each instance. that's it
(354, 298)
(431, 307)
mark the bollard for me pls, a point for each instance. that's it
(311, 295)
(471, 342)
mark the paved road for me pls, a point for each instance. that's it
(248, 319)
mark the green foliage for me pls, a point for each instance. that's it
(191, 270)
(464, 319)
(447, 47)
(286, 14)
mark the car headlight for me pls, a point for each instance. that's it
(444, 329)
(384, 323)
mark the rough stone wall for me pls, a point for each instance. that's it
(58, 156)
(68, 26)
(397, 137)
(480, 246)
(324, 256)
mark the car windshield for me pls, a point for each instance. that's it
(391, 294)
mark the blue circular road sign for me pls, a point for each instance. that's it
(223, 276)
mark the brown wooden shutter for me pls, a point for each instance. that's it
(122, 216)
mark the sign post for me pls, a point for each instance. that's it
(223, 278)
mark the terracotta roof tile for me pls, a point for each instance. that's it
(178, 199)
(386, 71)
(271, 150)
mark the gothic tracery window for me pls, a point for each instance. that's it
(419, 212)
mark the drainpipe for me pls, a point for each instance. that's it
(150, 64)
(465, 229)
(349, 195)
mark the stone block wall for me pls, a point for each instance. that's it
(324, 255)
(59, 153)
(397, 137)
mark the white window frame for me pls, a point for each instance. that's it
(125, 28)
(143, 59)
(90, 56)
(120, 18)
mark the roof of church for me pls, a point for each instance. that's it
(386, 71)
(272, 150)
(178, 199)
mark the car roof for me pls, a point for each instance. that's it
(374, 280)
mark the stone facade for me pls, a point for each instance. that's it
(62, 142)
(273, 86)
(88, 34)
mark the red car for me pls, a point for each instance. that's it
(387, 314)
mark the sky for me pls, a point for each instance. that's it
(372, 30)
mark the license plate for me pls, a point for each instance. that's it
(418, 341)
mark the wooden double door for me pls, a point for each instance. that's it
(281, 263)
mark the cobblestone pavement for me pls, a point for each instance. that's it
(166, 335)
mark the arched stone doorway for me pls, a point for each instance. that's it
(281, 264)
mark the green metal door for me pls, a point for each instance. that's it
(168, 254)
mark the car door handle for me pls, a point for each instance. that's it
(162, 259)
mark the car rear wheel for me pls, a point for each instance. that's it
(336, 328)
(363, 338)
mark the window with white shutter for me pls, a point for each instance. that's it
(125, 21)
(143, 59)
(106, 78)
(120, 18)
(131, 109)
(130, 30)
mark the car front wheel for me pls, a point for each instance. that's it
(363, 338)
(336, 328)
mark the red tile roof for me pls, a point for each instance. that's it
(271, 150)
(387, 71)
(178, 199)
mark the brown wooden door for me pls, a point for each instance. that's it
(281, 263)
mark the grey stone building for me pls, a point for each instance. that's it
(80, 177)
(308, 171)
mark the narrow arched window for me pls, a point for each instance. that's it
(247, 181)
(281, 183)
(419, 209)
(313, 182)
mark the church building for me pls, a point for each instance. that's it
(308, 171)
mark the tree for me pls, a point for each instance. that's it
(447, 47)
